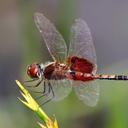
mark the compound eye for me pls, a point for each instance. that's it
(32, 71)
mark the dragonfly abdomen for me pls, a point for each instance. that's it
(111, 77)
(74, 75)
(88, 77)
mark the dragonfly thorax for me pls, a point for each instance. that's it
(54, 70)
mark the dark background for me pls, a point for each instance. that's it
(21, 45)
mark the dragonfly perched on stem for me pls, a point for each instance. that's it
(71, 68)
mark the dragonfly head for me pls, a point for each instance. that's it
(35, 70)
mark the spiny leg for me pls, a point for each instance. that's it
(44, 88)
(44, 91)
(50, 90)
(39, 92)
(38, 83)
(53, 95)
(32, 86)
(32, 80)
(28, 81)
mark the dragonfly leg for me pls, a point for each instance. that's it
(44, 88)
(36, 84)
(53, 95)
(40, 92)
(32, 80)
(45, 92)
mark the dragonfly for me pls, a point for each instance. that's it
(73, 68)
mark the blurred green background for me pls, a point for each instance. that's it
(21, 45)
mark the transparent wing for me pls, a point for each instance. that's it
(61, 88)
(53, 39)
(88, 92)
(81, 43)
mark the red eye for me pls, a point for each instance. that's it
(32, 71)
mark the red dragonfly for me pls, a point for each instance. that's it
(71, 68)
